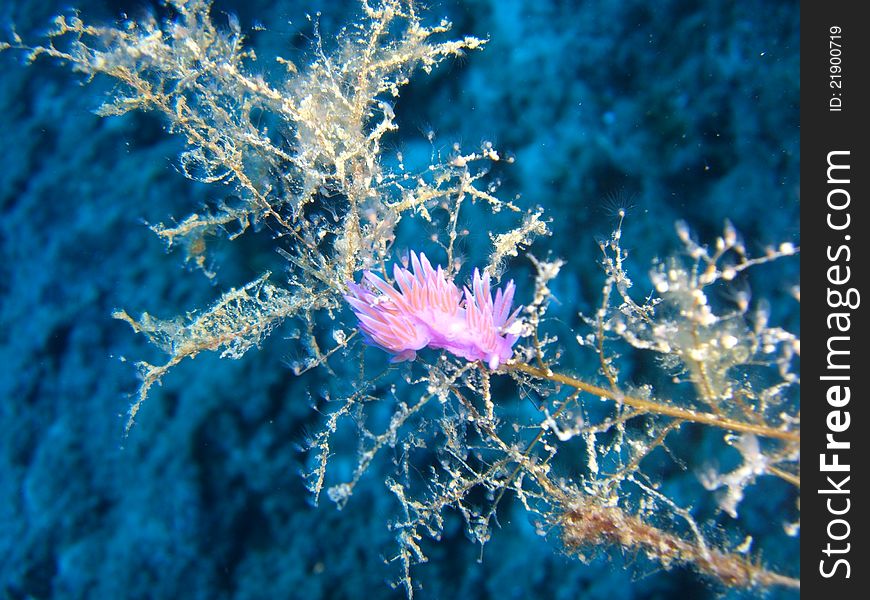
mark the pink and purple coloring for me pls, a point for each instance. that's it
(428, 310)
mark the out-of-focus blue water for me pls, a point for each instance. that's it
(677, 109)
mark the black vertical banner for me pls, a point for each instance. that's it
(835, 356)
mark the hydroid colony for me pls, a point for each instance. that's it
(581, 464)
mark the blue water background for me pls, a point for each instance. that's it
(676, 109)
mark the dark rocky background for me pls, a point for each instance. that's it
(679, 109)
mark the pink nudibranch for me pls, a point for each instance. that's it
(428, 310)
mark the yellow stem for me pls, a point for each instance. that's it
(658, 407)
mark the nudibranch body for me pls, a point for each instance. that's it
(428, 310)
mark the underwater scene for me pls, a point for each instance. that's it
(485, 299)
